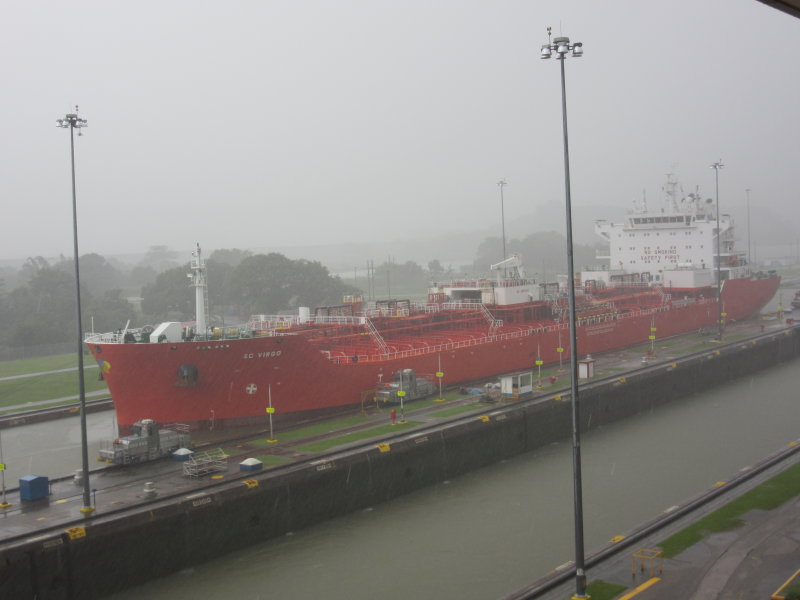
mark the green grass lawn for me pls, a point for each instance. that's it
(37, 365)
(735, 338)
(601, 372)
(417, 405)
(457, 410)
(271, 460)
(601, 590)
(699, 347)
(232, 452)
(355, 436)
(658, 349)
(312, 430)
(47, 387)
(767, 496)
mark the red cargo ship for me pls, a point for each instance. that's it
(306, 365)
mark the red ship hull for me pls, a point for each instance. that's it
(235, 378)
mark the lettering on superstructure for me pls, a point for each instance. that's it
(271, 354)
(649, 253)
(601, 328)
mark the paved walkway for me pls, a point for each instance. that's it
(749, 563)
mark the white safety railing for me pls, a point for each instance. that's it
(509, 335)
(103, 338)
(493, 323)
(205, 463)
(376, 336)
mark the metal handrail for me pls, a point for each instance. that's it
(509, 335)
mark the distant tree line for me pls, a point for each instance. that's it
(241, 284)
(544, 254)
(40, 310)
(37, 302)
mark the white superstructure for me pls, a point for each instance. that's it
(510, 287)
(673, 245)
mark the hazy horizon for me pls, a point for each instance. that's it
(264, 125)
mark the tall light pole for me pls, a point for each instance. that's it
(749, 256)
(73, 122)
(561, 46)
(500, 184)
(717, 166)
(3, 502)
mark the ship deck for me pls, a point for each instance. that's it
(433, 331)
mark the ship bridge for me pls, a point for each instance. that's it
(680, 235)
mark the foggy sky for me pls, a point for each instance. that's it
(258, 124)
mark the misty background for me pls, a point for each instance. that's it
(280, 124)
(349, 131)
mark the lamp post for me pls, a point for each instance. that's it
(500, 184)
(561, 46)
(717, 166)
(72, 122)
(749, 255)
(270, 412)
(3, 502)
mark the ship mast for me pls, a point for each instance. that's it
(199, 284)
(671, 190)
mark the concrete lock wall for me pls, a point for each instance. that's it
(118, 552)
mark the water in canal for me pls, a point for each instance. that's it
(52, 448)
(492, 531)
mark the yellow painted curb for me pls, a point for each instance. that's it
(640, 589)
(778, 595)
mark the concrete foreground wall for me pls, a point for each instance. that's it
(115, 552)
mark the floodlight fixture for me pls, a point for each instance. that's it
(720, 314)
(72, 122)
(561, 46)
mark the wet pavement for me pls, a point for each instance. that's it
(751, 562)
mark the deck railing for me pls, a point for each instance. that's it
(509, 335)
(102, 338)
(261, 329)
(376, 336)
